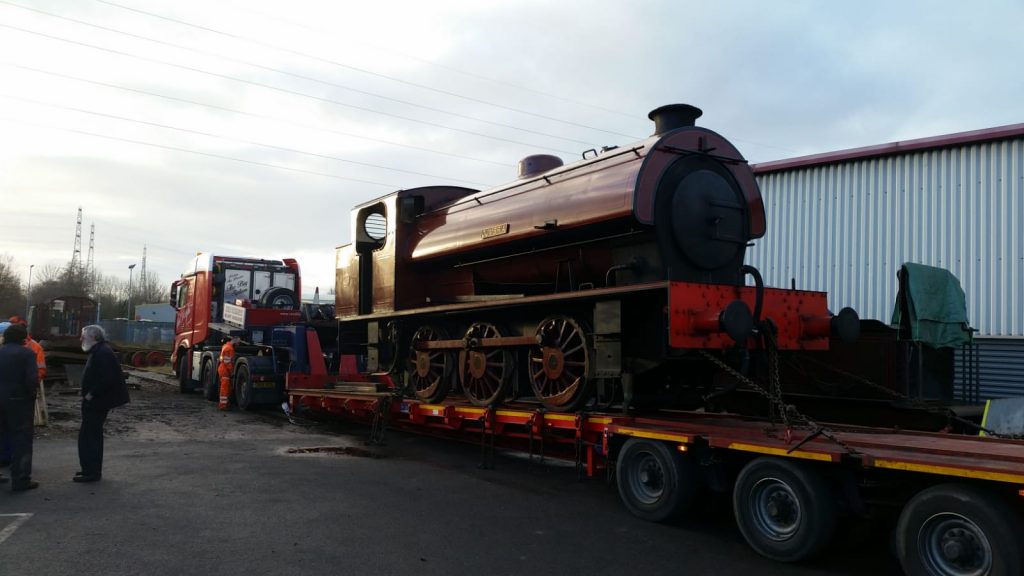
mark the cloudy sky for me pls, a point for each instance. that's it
(251, 127)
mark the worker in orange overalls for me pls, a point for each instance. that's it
(34, 346)
(225, 370)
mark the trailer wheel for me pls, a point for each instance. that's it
(955, 529)
(211, 382)
(784, 509)
(243, 387)
(655, 482)
(184, 380)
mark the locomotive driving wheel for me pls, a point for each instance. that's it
(429, 370)
(486, 374)
(560, 363)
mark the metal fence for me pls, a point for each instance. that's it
(153, 334)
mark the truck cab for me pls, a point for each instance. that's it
(222, 296)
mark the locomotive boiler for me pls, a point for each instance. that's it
(577, 284)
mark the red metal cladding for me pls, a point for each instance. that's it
(317, 367)
(271, 316)
(802, 317)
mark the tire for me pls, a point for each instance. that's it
(655, 481)
(955, 529)
(279, 297)
(211, 381)
(243, 387)
(184, 379)
(785, 510)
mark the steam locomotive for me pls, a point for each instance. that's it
(613, 279)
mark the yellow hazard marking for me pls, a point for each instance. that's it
(781, 452)
(569, 417)
(950, 471)
(438, 409)
(653, 435)
(984, 419)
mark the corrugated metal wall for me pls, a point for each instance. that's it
(845, 228)
(999, 368)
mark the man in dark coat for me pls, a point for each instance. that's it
(18, 382)
(102, 389)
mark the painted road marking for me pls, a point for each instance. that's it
(19, 519)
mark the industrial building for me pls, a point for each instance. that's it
(844, 222)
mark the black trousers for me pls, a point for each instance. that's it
(90, 439)
(16, 417)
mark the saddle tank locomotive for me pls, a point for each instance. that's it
(608, 280)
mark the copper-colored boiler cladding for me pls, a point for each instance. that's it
(598, 245)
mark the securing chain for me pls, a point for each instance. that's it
(914, 402)
(791, 417)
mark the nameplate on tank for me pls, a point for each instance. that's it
(493, 231)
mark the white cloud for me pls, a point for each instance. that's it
(778, 79)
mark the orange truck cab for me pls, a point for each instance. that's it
(253, 298)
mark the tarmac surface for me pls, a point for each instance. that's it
(190, 490)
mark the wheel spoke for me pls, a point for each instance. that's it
(574, 350)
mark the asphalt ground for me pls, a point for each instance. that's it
(189, 490)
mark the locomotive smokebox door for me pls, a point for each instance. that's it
(708, 219)
(702, 222)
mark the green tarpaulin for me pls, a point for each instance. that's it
(935, 306)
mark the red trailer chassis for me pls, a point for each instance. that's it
(960, 496)
(509, 426)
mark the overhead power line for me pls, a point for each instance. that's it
(292, 74)
(356, 68)
(199, 153)
(252, 114)
(230, 139)
(278, 89)
(278, 18)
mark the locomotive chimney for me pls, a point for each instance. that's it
(672, 116)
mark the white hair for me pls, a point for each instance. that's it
(96, 332)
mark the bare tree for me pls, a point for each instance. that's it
(154, 292)
(48, 272)
(12, 299)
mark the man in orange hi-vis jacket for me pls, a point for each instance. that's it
(34, 346)
(225, 370)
